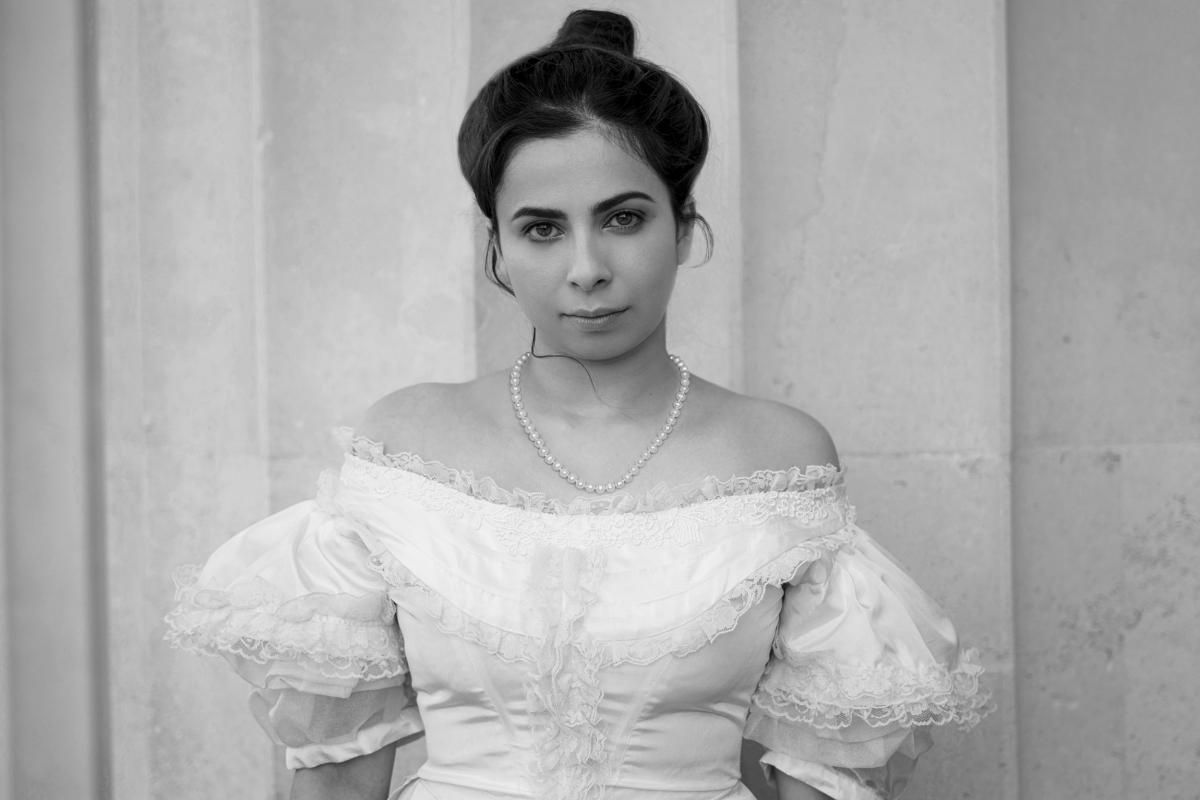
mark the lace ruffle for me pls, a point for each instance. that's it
(518, 532)
(504, 644)
(688, 637)
(659, 498)
(563, 691)
(332, 635)
(723, 616)
(829, 695)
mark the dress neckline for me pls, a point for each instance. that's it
(661, 497)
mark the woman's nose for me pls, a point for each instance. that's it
(588, 269)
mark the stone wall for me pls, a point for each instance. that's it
(1106, 423)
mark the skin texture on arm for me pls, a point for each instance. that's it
(792, 789)
(364, 778)
(785, 788)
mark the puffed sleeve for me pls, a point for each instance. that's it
(294, 606)
(863, 665)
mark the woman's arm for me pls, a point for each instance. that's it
(792, 789)
(364, 778)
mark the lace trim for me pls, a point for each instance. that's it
(659, 498)
(504, 644)
(686, 638)
(333, 635)
(825, 694)
(563, 691)
(517, 531)
(723, 616)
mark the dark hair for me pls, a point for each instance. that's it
(587, 77)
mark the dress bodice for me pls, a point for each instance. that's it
(607, 647)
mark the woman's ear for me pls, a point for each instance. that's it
(685, 232)
(502, 273)
(495, 260)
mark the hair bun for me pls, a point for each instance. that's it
(606, 30)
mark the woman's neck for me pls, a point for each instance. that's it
(638, 383)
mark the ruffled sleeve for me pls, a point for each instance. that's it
(864, 664)
(292, 603)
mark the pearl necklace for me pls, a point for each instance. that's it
(566, 474)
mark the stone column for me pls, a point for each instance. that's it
(183, 283)
(52, 636)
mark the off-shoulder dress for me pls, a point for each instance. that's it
(613, 647)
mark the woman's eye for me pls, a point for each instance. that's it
(542, 231)
(624, 219)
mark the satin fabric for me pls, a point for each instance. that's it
(616, 648)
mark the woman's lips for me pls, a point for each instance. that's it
(597, 320)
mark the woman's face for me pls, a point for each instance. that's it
(588, 244)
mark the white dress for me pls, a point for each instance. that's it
(613, 647)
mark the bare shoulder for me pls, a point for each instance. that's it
(426, 418)
(788, 434)
(772, 435)
(399, 419)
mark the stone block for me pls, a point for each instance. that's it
(1072, 616)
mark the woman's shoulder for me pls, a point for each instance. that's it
(431, 418)
(767, 433)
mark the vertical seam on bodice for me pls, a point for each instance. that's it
(624, 735)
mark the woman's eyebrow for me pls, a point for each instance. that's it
(616, 200)
(530, 211)
(599, 208)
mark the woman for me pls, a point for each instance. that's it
(606, 613)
